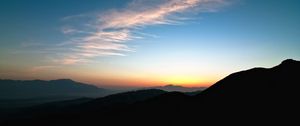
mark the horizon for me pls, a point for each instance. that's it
(137, 43)
(124, 87)
(115, 87)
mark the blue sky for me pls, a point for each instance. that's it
(142, 43)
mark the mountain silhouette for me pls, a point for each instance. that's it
(84, 106)
(256, 96)
(17, 89)
(178, 88)
(126, 98)
(18, 94)
(117, 99)
(277, 83)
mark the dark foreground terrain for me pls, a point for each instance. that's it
(257, 96)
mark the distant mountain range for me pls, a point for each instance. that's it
(178, 88)
(233, 100)
(19, 89)
(25, 93)
(31, 89)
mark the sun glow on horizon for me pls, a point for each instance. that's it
(188, 81)
(149, 81)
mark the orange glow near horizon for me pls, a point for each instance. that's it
(176, 73)
(185, 81)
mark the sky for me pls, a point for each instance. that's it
(141, 43)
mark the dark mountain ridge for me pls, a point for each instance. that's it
(277, 82)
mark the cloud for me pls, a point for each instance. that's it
(108, 33)
(68, 30)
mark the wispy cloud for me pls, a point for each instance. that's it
(108, 33)
(68, 30)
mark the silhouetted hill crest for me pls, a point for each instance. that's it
(258, 83)
(126, 97)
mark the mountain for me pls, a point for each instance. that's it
(126, 98)
(277, 83)
(84, 106)
(18, 94)
(178, 88)
(17, 89)
(274, 98)
(257, 96)
(108, 101)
